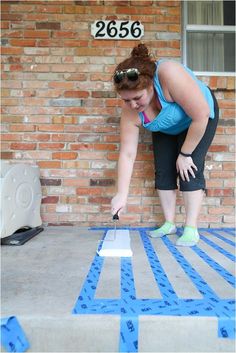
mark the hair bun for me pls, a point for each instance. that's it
(140, 51)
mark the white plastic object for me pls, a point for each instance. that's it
(20, 197)
(116, 246)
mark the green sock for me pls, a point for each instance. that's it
(165, 229)
(190, 237)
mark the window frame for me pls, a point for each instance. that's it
(187, 28)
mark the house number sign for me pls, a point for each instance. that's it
(117, 30)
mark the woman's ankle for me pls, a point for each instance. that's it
(169, 222)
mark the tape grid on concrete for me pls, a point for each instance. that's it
(218, 248)
(217, 267)
(230, 231)
(219, 236)
(129, 308)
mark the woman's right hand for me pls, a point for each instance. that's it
(118, 204)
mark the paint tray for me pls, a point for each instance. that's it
(116, 244)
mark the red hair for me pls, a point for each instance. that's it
(141, 60)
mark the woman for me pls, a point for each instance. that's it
(166, 98)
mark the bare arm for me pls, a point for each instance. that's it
(180, 87)
(129, 132)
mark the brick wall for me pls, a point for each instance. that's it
(60, 112)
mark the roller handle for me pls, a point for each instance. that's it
(115, 216)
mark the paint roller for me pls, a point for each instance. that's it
(116, 242)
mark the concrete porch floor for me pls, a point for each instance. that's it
(163, 299)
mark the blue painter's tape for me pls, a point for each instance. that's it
(219, 248)
(230, 231)
(13, 338)
(129, 318)
(185, 307)
(179, 307)
(128, 293)
(197, 280)
(130, 308)
(161, 278)
(221, 237)
(217, 267)
(128, 334)
(226, 328)
(98, 306)
(90, 285)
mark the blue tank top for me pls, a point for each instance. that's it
(172, 119)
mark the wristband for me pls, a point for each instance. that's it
(185, 154)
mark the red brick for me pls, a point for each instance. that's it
(50, 199)
(89, 52)
(76, 182)
(137, 3)
(228, 201)
(88, 191)
(220, 210)
(55, 182)
(6, 155)
(64, 155)
(11, 51)
(5, 7)
(51, 146)
(51, 127)
(221, 174)
(64, 137)
(11, 17)
(22, 7)
(81, 146)
(76, 94)
(64, 34)
(23, 146)
(48, 25)
(99, 200)
(49, 164)
(16, 67)
(36, 34)
(22, 42)
(50, 43)
(226, 104)
(22, 128)
(218, 148)
(64, 120)
(219, 192)
(53, 7)
(61, 85)
(229, 166)
(4, 25)
(11, 137)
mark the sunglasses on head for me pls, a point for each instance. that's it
(131, 74)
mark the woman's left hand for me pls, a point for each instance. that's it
(185, 166)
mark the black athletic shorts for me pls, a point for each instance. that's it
(166, 149)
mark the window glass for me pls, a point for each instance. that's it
(205, 12)
(212, 50)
